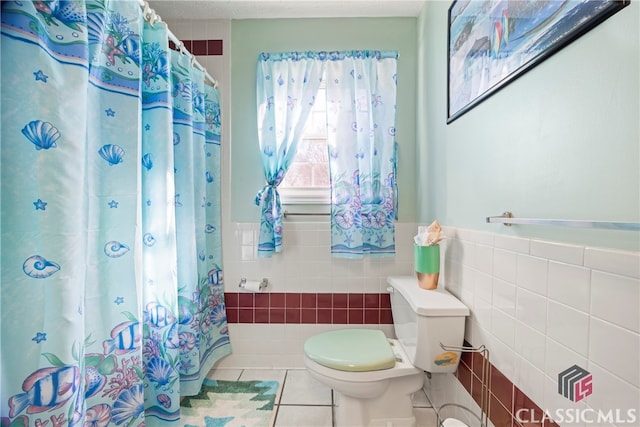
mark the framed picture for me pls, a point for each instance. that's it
(493, 42)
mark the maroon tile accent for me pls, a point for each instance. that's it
(464, 376)
(385, 301)
(261, 315)
(371, 316)
(198, 47)
(292, 300)
(498, 414)
(522, 401)
(355, 316)
(340, 316)
(324, 316)
(506, 401)
(371, 300)
(502, 388)
(245, 300)
(356, 300)
(339, 301)
(321, 307)
(476, 389)
(276, 299)
(309, 315)
(325, 300)
(245, 315)
(477, 364)
(276, 315)
(292, 315)
(214, 47)
(309, 301)
(232, 314)
(466, 357)
(386, 317)
(261, 301)
(231, 299)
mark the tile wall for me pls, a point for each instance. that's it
(309, 291)
(542, 307)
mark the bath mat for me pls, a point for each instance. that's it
(231, 404)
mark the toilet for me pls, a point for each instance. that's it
(374, 377)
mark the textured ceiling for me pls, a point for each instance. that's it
(245, 9)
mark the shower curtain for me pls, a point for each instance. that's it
(111, 297)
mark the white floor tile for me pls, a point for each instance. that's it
(420, 400)
(302, 389)
(425, 417)
(304, 416)
(264, 375)
(224, 374)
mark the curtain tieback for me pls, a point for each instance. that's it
(261, 192)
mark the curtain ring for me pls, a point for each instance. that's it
(145, 12)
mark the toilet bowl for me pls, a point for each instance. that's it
(374, 377)
(371, 375)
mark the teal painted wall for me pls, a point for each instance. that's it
(250, 37)
(562, 141)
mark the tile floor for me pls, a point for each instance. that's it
(304, 402)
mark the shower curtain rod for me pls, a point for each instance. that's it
(152, 17)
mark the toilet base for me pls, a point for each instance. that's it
(393, 408)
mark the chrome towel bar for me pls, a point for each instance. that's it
(507, 219)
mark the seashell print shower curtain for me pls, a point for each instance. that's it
(111, 298)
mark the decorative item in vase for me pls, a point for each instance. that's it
(426, 255)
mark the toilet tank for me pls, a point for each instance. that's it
(423, 319)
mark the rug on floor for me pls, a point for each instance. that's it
(231, 404)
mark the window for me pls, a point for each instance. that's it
(307, 180)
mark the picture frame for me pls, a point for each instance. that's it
(493, 42)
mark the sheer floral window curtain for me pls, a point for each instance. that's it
(361, 104)
(361, 111)
(287, 84)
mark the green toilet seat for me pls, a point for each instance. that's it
(353, 350)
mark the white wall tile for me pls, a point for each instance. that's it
(483, 286)
(532, 274)
(559, 406)
(569, 284)
(484, 258)
(611, 393)
(561, 252)
(568, 326)
(559, 357)
(612, 261)
(505, 265)
(482, 312)
(502, 356)
(616, 299)
(503, 327)
(529, 379)
(513, 244)
(504, 297)
(531, 309)
(616, 350)
(530, 344)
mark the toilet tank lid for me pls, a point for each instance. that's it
(437, 302)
